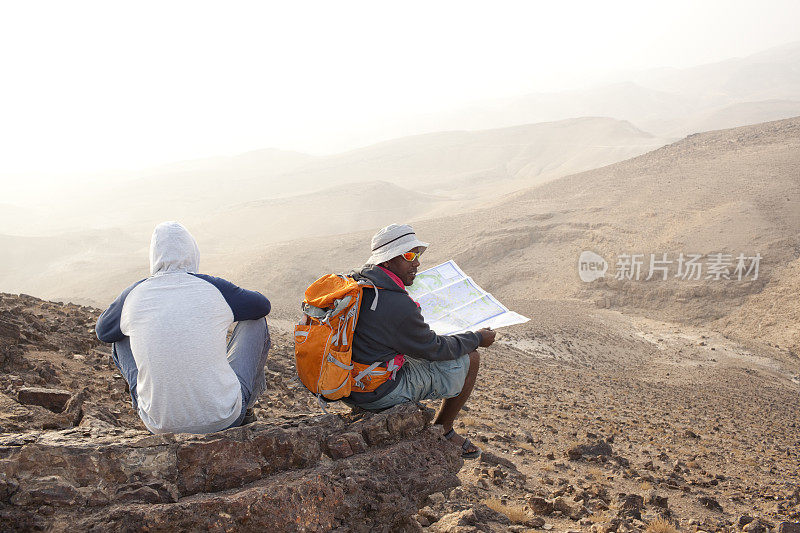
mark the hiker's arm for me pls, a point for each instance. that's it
(415, 338)
(108, 327)
(246, 305)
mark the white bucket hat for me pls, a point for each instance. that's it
(393, 240)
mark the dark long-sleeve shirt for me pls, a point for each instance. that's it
(396, 326)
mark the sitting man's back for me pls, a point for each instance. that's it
(169, 334)
(414, 363)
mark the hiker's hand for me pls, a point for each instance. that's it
(487, 337)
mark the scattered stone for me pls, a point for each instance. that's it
(421, 520)
(436, 498)
(455, 522)
(789, 527)
(495, 460)
(597, 449)
(710, 503)
(755, 526)
(540, 505)
(53, 399)
(744, 520)
(630, 506)
(429, 514)
(561, 504)
(534, 521)
(657, 501)
(467, 520)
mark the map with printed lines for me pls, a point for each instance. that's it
(451, 302)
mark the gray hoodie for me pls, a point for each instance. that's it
(395, 327)
(177, 321)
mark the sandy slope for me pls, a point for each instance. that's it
(773, 315)
(235, 205)
(459, 164)
(732, 191)
(741, 114)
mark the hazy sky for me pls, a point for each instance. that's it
(89, 86)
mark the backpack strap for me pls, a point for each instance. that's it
(366, 372)
(375, 288)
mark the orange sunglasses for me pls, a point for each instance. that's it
(410, 256)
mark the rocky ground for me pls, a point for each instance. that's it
(597, 421)
(589, 420)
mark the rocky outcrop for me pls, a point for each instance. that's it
(30, 323)
(323, 473)
(74, 455)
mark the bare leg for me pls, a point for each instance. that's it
(451, 406)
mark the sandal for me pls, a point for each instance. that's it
(474, 454)
(249, 417)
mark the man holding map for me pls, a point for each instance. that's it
(391, 331)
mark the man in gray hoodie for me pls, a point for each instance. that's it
(426, 365)
(169, 341)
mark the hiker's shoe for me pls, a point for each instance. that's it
(249, 417)
(465, 446)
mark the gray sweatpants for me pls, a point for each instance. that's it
(247, 355)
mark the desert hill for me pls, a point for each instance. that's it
(731, 191)
(629, 101)
(341, 209)
(460, 164)
(772, 315)
(464, 162)
(769, 74)
(89, 266)
(233, 207)
(745, 113)
(72, 265)
(668, 102)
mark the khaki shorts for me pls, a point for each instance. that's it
(425, 380)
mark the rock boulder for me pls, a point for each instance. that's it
(317, 473)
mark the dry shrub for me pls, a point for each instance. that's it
(661, 525)
(599, 517)
(470, 421)
(596, 473)
(645, 486)
(515, 513)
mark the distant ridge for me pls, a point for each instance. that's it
(735, 190)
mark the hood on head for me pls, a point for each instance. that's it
(173, 249)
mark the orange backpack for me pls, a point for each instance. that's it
(323, 340)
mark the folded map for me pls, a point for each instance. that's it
(451, 302)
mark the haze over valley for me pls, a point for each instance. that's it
(647, 398)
